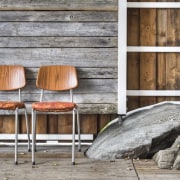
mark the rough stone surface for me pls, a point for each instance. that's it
(141, 133)
(169, 158)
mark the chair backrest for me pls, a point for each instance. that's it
(12, 77)
(57, 77)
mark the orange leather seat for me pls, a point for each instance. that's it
(54, 106)
(8, 105)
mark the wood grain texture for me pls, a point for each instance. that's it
(41, 124)
(7, 124)
(65, 124)
(171, 62)
(58, 29)
(89, 124)
(161, 57)
(52, 126)
(51, 159)
(133, 62)
(177, 22)
(79, 57)
(58, 16)
(72, 32)
(57, 78)
(103, 121)
(104, 108)
(83, 73)
(79, 97)
(147, 169)
(85, 86)
(60, 42)
(147, 60)
(100, 5)
(12, 77)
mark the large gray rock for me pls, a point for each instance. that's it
(141, 133)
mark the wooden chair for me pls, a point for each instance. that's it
(56, 78)
(12, 77)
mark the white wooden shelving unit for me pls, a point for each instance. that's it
(123, 5)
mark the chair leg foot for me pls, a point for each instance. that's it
(33, 163)
(16, 163)
(79, 150)
(29, 150)
(73, 163)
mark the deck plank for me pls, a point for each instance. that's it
(147, 169)
(55, 163)
(53, 168)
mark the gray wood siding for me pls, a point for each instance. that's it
(75, 32)
(91, 5)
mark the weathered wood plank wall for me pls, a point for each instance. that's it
(80, 33)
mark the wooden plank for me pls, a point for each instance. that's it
(85, 86)
(83, 73)
(8, 124)
(103, 120)
(147, 60)
(58, 29)
(98, 108)
(65, 124)
(1, 124)
(89, 123)
(103, 73)
(56, 16)
(133, 58)
(101, 5)
(96, 85)
(89, 86)
(95, 108)
(79, 98)
(177, 22)
(91, 108)
(63, 42)
(48, 167)
(41, 124)
(171, 66)
(79, 57)
(147, 169)
(161, 57)
(22, 127)
(52, 124)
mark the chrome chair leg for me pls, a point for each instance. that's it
(79, 135)
(73, 138)
(16, 135)
(33, 135)
(27, 129)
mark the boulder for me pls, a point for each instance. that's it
(169, 158)
(140, 134)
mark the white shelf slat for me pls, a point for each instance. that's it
(153, 4)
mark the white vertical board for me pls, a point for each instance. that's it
(122, 56)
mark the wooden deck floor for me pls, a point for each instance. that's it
(54, 163)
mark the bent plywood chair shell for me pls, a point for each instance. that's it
(12, 77)
(57, 78)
